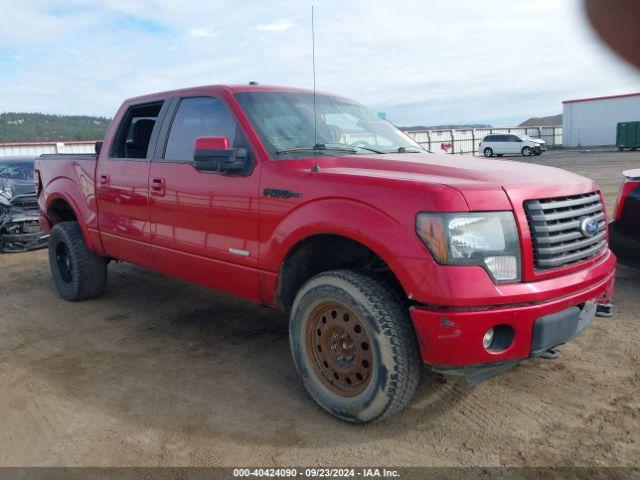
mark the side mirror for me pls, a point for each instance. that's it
(212, 154)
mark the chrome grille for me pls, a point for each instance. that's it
(555, 229)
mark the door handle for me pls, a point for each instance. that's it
(158, 187)
(104, 180)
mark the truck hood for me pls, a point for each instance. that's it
(486, 184)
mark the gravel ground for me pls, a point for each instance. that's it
(158, 372)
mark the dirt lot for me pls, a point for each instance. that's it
(158, 372)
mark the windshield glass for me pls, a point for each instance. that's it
(16, 171)
(284, 122)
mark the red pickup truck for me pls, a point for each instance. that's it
(386, 256)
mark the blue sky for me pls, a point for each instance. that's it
(421, 62)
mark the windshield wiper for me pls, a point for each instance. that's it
(369, 149)
(320, 147)
(405, 150)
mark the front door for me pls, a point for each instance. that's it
(515, 144)
(204, 225)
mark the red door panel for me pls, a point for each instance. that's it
(123, 200)
(204, 227)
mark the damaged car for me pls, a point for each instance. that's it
(19, 214)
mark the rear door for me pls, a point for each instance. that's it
(122, 184)
(204, 225)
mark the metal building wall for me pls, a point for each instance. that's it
(35, 149)
(592, 122)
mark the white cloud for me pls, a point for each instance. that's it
(202, 33)
(279, 26)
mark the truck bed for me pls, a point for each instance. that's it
(70, 177)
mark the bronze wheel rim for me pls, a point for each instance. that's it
(339, 349)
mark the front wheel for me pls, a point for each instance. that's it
(488, 152)
(78, 273)
(354, 346)
(526, 151)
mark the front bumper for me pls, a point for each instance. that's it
(452, 338)
(20, 232)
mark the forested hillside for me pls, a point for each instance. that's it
(38, 127)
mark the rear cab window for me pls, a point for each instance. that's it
(134, 133)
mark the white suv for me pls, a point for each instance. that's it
(511, 144)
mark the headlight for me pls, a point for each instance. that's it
(487, 239)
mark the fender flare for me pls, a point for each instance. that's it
(81, 211)
(358, 221)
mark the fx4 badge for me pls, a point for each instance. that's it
(276, 193)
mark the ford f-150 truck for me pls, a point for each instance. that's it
(386, 256)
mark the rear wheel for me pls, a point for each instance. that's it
(78, 274)
(354, 346)
(526, 151)
(488, 152)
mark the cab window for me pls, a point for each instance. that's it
(134, 132)
(199, 117)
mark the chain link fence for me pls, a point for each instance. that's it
(466, 141)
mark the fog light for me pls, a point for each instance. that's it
(488, 339)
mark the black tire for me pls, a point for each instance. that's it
(395, 367)
(78, 274)
(488, 152)
(527, 151)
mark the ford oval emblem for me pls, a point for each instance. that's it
(589, 227)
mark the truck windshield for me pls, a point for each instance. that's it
(284, 121)
(17, 171)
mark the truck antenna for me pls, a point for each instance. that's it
(315, 113)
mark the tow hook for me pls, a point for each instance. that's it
(550, 354)
(604, 310)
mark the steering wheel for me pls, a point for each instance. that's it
(361, 143)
